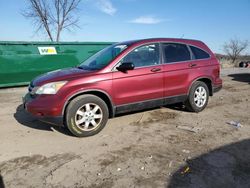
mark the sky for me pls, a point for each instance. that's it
(213, 21)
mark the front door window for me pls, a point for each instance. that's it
(143, 56)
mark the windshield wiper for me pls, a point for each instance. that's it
(84, 67)
(79, 67)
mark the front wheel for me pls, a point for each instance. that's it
(86, 115)
(198, 97)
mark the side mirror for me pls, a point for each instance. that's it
(124, 67)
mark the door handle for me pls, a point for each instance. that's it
(155, 70)
(192, 65)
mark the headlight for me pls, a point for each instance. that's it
(50, 88)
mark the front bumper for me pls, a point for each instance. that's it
(43, 109)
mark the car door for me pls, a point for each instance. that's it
(144, 82)
(176, 69)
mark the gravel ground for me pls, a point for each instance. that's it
(164, 147)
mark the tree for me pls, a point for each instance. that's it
(53, 16)
(234, 48)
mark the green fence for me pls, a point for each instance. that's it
(20, 62)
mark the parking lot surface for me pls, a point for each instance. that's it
(163, 147)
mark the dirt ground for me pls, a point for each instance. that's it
(164, 147)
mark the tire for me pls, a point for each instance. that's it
(86, 115)
(196, 103)
(241, 64)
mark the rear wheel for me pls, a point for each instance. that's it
(198, 97)
(86, 115)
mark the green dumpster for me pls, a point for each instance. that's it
(20, 62)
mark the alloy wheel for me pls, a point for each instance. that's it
(200, 96)
(88, 117)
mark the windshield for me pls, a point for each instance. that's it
(103, 57)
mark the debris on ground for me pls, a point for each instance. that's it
(235, 124)
(119, 169)
(104, 136)
(54, 130)
(190, 129)
(185, 151)
(170, 164)
(244, 64)
(150, 156)
(185, 170)
(140, 119)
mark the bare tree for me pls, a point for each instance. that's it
(53, 16)
(234, 48)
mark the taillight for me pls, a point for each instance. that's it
(217, 70)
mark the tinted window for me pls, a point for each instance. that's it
(144, 56)
(199, 54)
(176, 52)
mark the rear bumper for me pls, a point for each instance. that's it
(217, 88)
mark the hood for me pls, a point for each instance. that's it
(60, 75)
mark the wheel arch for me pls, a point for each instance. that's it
(99, 93)
(207, 81)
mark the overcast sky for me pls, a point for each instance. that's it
(212, 21)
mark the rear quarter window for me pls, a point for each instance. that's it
(199, 53)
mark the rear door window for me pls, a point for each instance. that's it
(199, 53)
(175, 52)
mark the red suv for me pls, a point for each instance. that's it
(127, 76)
